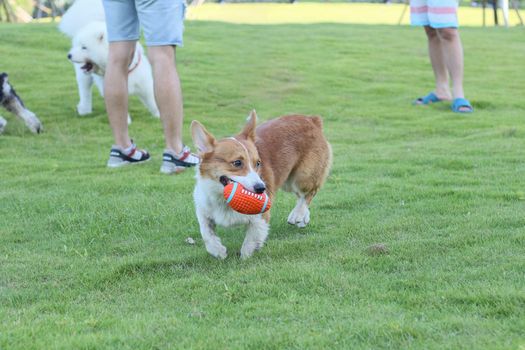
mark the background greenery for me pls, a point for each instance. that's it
(92, 258)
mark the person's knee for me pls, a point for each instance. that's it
(431, 33)
(121, 55)
(161, 55)
(447, 34)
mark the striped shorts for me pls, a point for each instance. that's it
(434, 13)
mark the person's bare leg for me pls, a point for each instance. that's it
(439, 66)
(116, 90)
(453, 57)
(168, 94)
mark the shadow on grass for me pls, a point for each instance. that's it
(286, 243)
(196, 264)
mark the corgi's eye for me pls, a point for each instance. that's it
(258, 164)
(84, 48)
(237, 163)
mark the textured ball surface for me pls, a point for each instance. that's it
(245, 202)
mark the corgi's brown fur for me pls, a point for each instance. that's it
(289, 152)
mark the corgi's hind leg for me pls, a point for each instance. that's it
(307, 180)
(300, 215)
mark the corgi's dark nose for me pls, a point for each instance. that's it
(259, 188)
(224, 180)
(68, 56)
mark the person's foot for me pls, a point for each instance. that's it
(462, 105)
(119, 156)
(176, 163)
(432, 97)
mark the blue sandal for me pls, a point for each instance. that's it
(428, 99)
(460, 103)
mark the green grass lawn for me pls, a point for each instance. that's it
(92, 258)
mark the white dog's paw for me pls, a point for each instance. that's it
(217, 250)
(33, 123)
(300, 216)
(84, 110)
(3, 123)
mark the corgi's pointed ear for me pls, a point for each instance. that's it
(203, 140)
(249, 129)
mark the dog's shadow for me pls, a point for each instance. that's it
(200, 263)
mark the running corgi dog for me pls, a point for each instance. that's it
(289, 152)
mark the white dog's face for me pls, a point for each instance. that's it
(90, 48)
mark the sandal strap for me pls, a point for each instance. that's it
(425, 100)
(462, 102)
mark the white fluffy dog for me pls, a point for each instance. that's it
(84, 23)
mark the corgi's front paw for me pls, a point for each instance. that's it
(247, 250)
(217, 250)
(249, 247)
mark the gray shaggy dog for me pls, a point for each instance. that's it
(14, 104)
